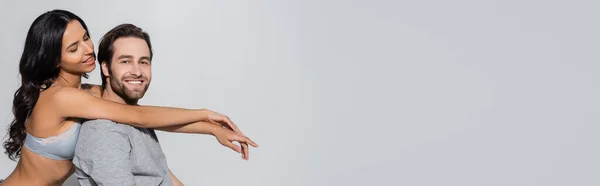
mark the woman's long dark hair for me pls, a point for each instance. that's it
(38, 69)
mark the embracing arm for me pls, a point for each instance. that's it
(192, 128)
(225, 136)
(72, 102)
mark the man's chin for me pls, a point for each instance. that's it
(135, 95)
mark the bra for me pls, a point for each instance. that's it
(60, 147)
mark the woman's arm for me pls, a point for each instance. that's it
(212, 117)
(192, 128)
(224, 135)
(72, 102)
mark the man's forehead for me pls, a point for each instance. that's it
(131, 46)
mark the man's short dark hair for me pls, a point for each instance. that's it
(106, 49)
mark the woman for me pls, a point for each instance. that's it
(47, 107)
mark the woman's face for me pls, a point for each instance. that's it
(77, 53)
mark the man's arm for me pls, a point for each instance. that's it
(102, 154)
(176, 181)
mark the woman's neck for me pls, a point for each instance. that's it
(68, 79)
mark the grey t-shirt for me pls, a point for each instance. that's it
(108, 153)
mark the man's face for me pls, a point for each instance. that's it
(130, 73)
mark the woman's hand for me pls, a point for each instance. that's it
(221, 120)
(226, 137)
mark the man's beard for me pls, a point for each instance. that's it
(129, 96)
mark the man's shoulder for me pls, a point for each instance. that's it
(99, 134)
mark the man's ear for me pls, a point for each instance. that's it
(104, 68)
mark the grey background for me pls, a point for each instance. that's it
(423, 93)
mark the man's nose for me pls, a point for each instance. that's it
(135, 70)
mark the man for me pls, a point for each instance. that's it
(108, 153)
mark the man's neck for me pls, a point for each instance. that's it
(108, 94)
